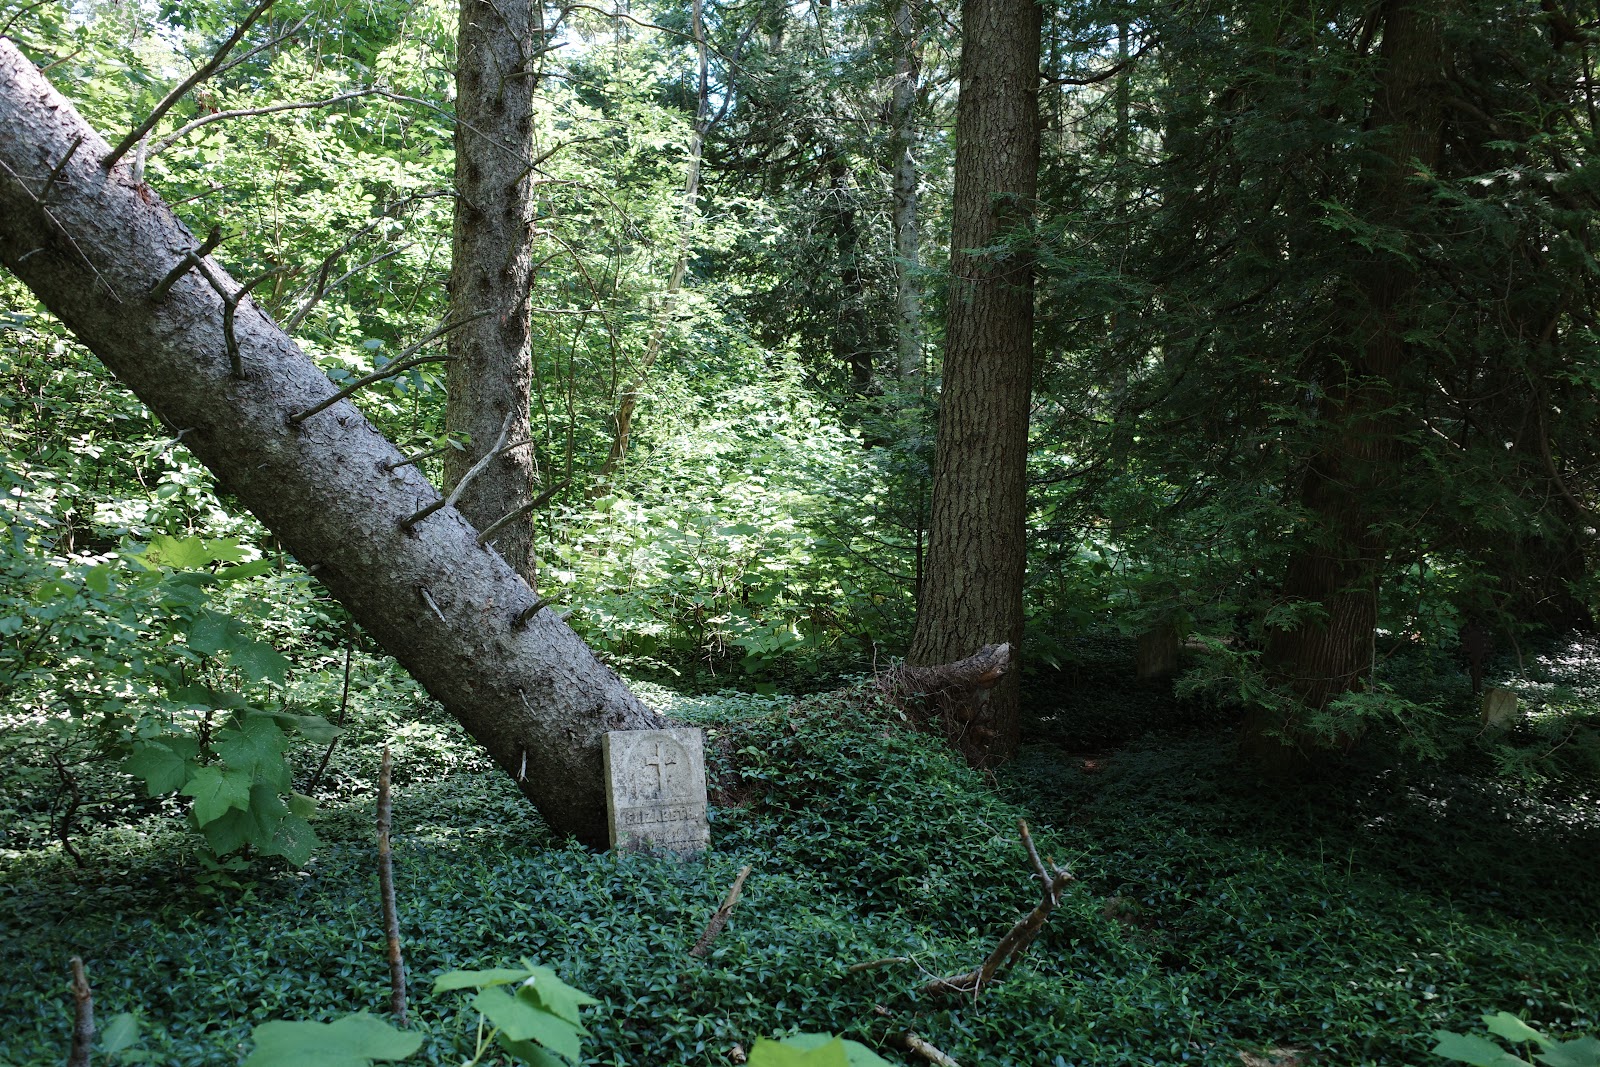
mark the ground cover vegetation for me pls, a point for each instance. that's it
(1310, 460)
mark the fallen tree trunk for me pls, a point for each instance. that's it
(96, 247)
(952, 696)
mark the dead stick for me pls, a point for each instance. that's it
(870, 965)
(475, 470)
(391, 919)
(83, 1017)
(402, 362)
(720, 919)
(188, 83)
(928, 1052)
(1033, 855)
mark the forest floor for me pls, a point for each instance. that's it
(1215, 919)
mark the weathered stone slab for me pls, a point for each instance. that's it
(1498, 710)
(656, 789)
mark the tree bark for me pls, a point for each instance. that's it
(1337, 569)
(491, 370)
(972, 592)
(93, 248)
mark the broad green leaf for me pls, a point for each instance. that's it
(179, 553)
(1583, 1052)
(522, 1020)
(1473, 1049)
(209, 634)
(313, 728)
(215, 792)
(98, 580)
(530, 1053)
(1504, 1024)
(831, 1053)
(353, 1041)
(858, 1054)
(228, 833)
(302, 805)
(244, 570)
(554, 995)
(161, 769)
(294, 840)
(118, 1034)
(260, 662)
(451, 980)
(255, 746)
(223, 550)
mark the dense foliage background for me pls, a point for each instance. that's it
(1214, 209)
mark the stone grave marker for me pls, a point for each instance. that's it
(656, 789)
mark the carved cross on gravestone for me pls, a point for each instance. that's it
(656, 789)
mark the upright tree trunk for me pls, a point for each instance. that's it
(972, 590)
(1337, 568)
(94, 247)
(907, 233)
(688, 213)
(498, 53)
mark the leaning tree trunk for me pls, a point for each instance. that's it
(972, 593)
(94, 247)
(491, 367)
(1353, 471)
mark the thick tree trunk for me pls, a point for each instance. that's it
(1338, 568)
(491, 370)
(972, 592)
(907, 232)
(94, 247)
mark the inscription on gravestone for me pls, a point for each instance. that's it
(656, 789)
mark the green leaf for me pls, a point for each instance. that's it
(831, 1053)
(215, 792)
(313, 728)
(352, 1041)
(554, 995)
(255, 746)
(294, 840)
(1583, 1052)
(161, 769)
(1470, 1048)
(452, 980)
(118, 1035)
(179, 553)
(244, 570)
(302, 805)
(522, 1020)
(858, 1054)
(209, 634)
(260, 662)
(1504, 1024)
(530, 1053)
(228, 833)
(98, 579)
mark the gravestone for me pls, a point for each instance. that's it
(1498, 710)
(656, 789)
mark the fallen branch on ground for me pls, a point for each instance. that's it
(1019, 937)
(720, 919)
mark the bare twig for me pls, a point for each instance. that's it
(189, 261)
(50, 182)
(249, 112)
(427, 598)
(418, 457)
(1033, 856)
(533, 505)
(391, 918)
(6, 29)
(389, 371)
(83, 1017)
(872, 965)
(720, 919)
(472, 472)
(327, 287)
(526, 615)
(230, 306)
(188, 83)
(1015, 941)
(928, 1052)
(344, 706)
